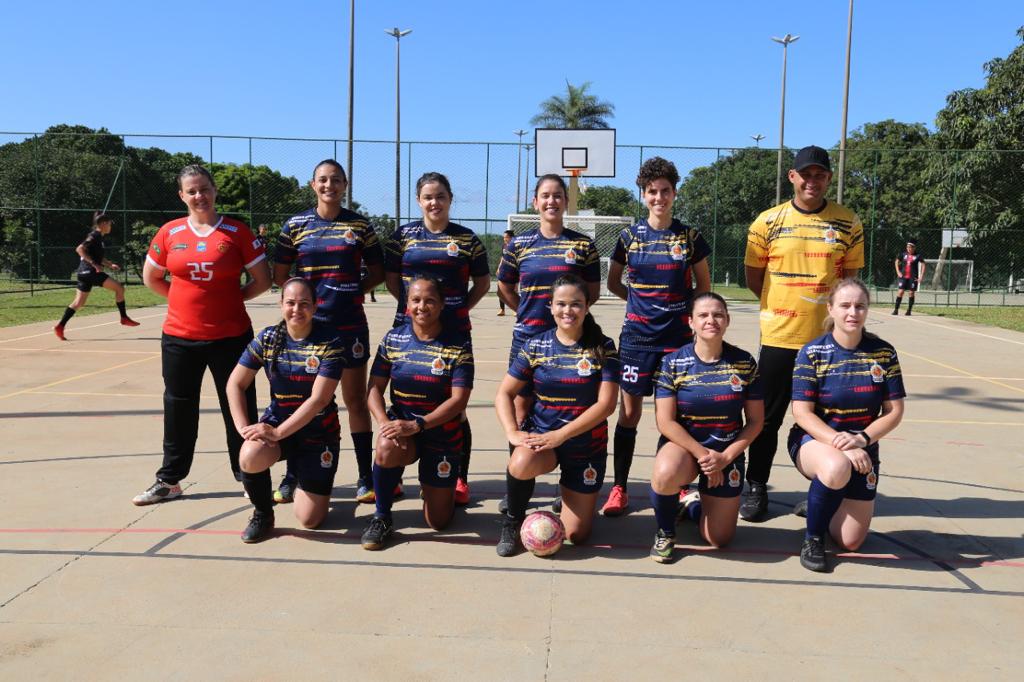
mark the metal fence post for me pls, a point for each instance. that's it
(871, 241)
(251, 226)
(124, 208)
(487, 188)
(714, 219)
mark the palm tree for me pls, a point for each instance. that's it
(578, 109)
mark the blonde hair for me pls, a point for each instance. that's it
(828, 324)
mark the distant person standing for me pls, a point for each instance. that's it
(506, 238)
(795, 252)
(910, 271)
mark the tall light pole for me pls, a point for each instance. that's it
(351, 95)
(784, 41)
(398, 35)
(519, 163)
(846, 101)
(757, 139)
(528, 148)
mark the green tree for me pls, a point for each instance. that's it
(577, 109)
(610, 200)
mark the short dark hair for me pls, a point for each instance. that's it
(655, 168)
(101, 217)
(510, 233)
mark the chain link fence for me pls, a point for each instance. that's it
(52, 182)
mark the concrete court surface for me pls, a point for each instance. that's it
(95, 588)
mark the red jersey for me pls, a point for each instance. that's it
(205, 300)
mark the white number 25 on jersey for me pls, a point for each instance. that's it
(631, 373)
(200, 272)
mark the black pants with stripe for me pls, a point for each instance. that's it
(775, 367)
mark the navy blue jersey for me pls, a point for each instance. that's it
(847, 387)
(423, 373)
(293, 370)
(659, 266)
(709, 395)
(452, 256)
(535, 262)
(565, 379)
(330, 254)
(95, 249)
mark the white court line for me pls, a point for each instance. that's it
(964, 371)
(75, 378)
(49, 332)
(957, 376)
(959, 329)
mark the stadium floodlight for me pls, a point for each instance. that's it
(846, 106)
(398, 35)
(519, 163)
(351, 96)
(784, 41)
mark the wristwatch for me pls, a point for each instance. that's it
(422, 423)
(867, 438)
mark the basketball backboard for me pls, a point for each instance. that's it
(584, 153)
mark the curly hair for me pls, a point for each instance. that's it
(654, 168)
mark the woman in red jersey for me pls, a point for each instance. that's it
(207, 326)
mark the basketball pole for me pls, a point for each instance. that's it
(574, 190)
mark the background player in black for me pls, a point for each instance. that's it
(90, 273)
(909, 272)
(505, 239)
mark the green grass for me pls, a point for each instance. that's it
(23, 308)
(734, 293)
(994, 316)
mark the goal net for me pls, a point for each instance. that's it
(948, 275)
(604, 230)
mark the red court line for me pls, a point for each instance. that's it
(431, 537)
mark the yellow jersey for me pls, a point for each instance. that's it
(803, 254)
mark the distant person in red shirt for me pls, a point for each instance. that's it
(910, 272)
(207, 326)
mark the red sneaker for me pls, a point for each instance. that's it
(59, 331)
(617, 502)
(398, 491)
(128, 322)
(461, 492)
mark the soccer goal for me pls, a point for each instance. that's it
(604, 230)
(948, 275)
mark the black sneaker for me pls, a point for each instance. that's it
(285, 492)
(664, 543)
(556, 505)
(812, 554)
(755, 505)
(377, 533)
(508, 543)
(259, 528)
(801, 509)
(503, 505)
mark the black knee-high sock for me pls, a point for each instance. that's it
(384, 481)
(624, 445)
(910, 305)
(519, 493)
(467, 449)
(68, 314)
(258, 486)
(121, 308)
(899, 300)
(822, 504)
(362, 443)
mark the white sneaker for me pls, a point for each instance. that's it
(158, 492)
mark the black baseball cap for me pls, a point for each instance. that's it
(812, 156)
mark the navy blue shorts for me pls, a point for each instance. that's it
(517, 344)
(860, 486)
(312, 461)
(582, 460)
(732, 486)
(88, 280)
(356, 348)
(439, 452)
(907, 284)
(639, 367)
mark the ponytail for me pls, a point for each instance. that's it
(276, 345)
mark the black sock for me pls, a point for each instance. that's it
(68, 314)
(822, 504)
(120, 309)
(899, 300)
(384, 481)
(258, 486)
(362, 443)
(910, 305)
(519, 493)
(624, 444)
(467, 448)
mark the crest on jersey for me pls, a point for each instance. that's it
(734, 478)
(312, 364)
(877, 373)
(223, 247)
(584, 367)
(156, 248)
(590, 475)
(452, 249)
(358, 349)
(871, 480)
(735, 383)
(201, 246)
(831, 235)
(570, 256)
(676, 251)
(444, 468)
(437, 367)
(326, 459)
(349, 236)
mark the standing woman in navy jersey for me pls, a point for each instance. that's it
(455, 257)
(90, 273)
(531, 263)
(847, 395)
(430, 369)
(328, 245)
(303, 361)
(660, 257)
(573, 370)
(708, 406)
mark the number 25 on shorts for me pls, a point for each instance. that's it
(631, 373)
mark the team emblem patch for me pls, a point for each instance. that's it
(201, 246)
(871, 480)
(156, 248)
(570, 256)
(437, 367)
(326, 459)
(444, 468)
(831, 235)
(734, 478)
(584, 367)
(312, 364)
(452, 249)
(349, 236)
(676, 251)
(223, 247)
(735, 383)
(256, 243)
(877, 373)
(358, 349)
(590, 475)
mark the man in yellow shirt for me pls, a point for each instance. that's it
(795, 252)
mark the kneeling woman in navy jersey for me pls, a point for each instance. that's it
(303, 360)
(847, 395)
(573, 370)
(430, 370)
(708, 406)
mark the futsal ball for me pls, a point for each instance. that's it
(542, 533)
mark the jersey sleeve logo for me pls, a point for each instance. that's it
(584, 367)
(830, 235)
(437, 367)
(444, 468)
(570, 256)
(735, 383)
(312, 364)
(877, 373)
(452, 249)
(326, 459)
(156, 248)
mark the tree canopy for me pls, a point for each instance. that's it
(577, 109)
